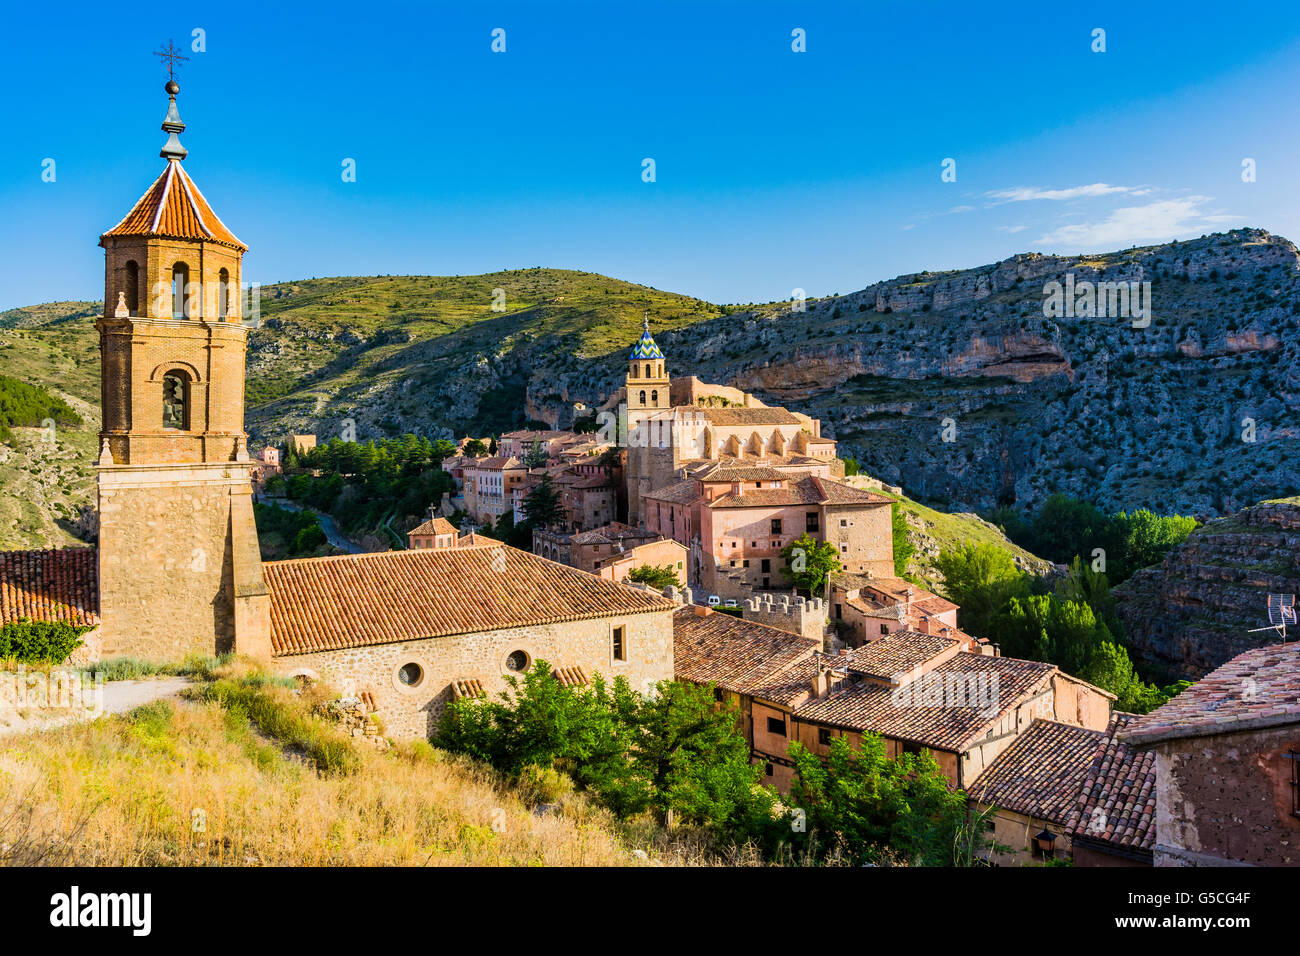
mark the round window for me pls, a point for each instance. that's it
(517, 661)
(410, 674)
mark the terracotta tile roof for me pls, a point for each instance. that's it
(897, 654)
(470, 687)
(477, 539)
(679, 492)
(174, 208)
(733, 473)
(885, 612)
(800, 490)
(51, 585)
(904, 714)
(612, 532)
(434, 526)
(499, 463)
(1117, 802)
(1040, 774)
(361, 599)
(571, 676)
(1260, 688)
(750, 416)
(735, 654)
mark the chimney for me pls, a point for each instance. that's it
(820, 682)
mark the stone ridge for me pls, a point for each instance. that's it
(1196, 609)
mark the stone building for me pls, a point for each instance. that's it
(867, 607)
(916, 691)
(417, 629)
(737, 518)
(1227, 749)
(434, 533)
(1027, 796)
(668, 423)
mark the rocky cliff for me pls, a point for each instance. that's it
(1196, 610)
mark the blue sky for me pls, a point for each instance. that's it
(774, 169)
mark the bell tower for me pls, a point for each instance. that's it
(647, 420)
(647, 378)
(179, 566)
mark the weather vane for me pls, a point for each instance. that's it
(170, 54)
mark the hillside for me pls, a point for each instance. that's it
(1094, 408)
(1194, 611)
(242, 777)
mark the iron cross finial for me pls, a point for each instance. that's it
(170, 55)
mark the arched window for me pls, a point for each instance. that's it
(132, 289)
(643, 396)
(647, 371)
(654, 397)
(176, 401)
(181, 305)
(223, 293)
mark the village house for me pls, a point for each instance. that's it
(453, 622)
(916, 691)
(1026, 796)
(1113, 822)
(737, 519)
(489, 486)
(867, 607)
(1227, 749)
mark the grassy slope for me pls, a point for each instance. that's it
(46, 485)
(124, 791)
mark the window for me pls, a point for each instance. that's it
(620, 643)
(410, 674)
(839, 612)
(175, 401)
(884, 629)
(132, 289)
(776, 525)
(767, 769)
(717, 694)
(844, 522)
(647, 371)
(767, 566)
(776, 725)
(182, 307)
(643, 396)
(823, 736)
(844, 549)
(654, 397)
(811, 522)
(517, 661)
(223, 293)
(745, 563)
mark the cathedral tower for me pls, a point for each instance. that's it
(647, 379)
(647, 419)
(179, 567)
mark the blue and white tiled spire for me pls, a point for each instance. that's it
(645, 347)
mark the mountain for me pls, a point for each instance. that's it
(1128, 417)
(1197, 608)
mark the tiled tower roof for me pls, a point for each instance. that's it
(645, 347)
(173, 208)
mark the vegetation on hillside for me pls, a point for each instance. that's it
(678, 756)
(1073, 627)
(1064, 528)
(244, 774)
(282, 533)
(39, 642)
(363, 483)
(28, 406)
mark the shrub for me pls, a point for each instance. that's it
(39, 642)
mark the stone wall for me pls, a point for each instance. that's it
(796, 615)
(1227, 799)
(413, 711)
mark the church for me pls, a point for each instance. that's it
(177, 569)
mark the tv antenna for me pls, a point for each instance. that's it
(1281, 612)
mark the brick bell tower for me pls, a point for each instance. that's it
(648, 395)
(179, 566)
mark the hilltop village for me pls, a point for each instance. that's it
(703, 483)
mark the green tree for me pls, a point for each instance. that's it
(536, 456)
(863, 807)
(903, 547)
(851, 467)
(475, 448)
(809, 563)
(542, 508)
(981, 578)
(655, 576)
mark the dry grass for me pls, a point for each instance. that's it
(129, 790)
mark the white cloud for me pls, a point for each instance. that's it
(1012, 228)
(961, 209)
(1132, 225)
(1026, 193)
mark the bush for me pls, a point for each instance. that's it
(39, 642)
